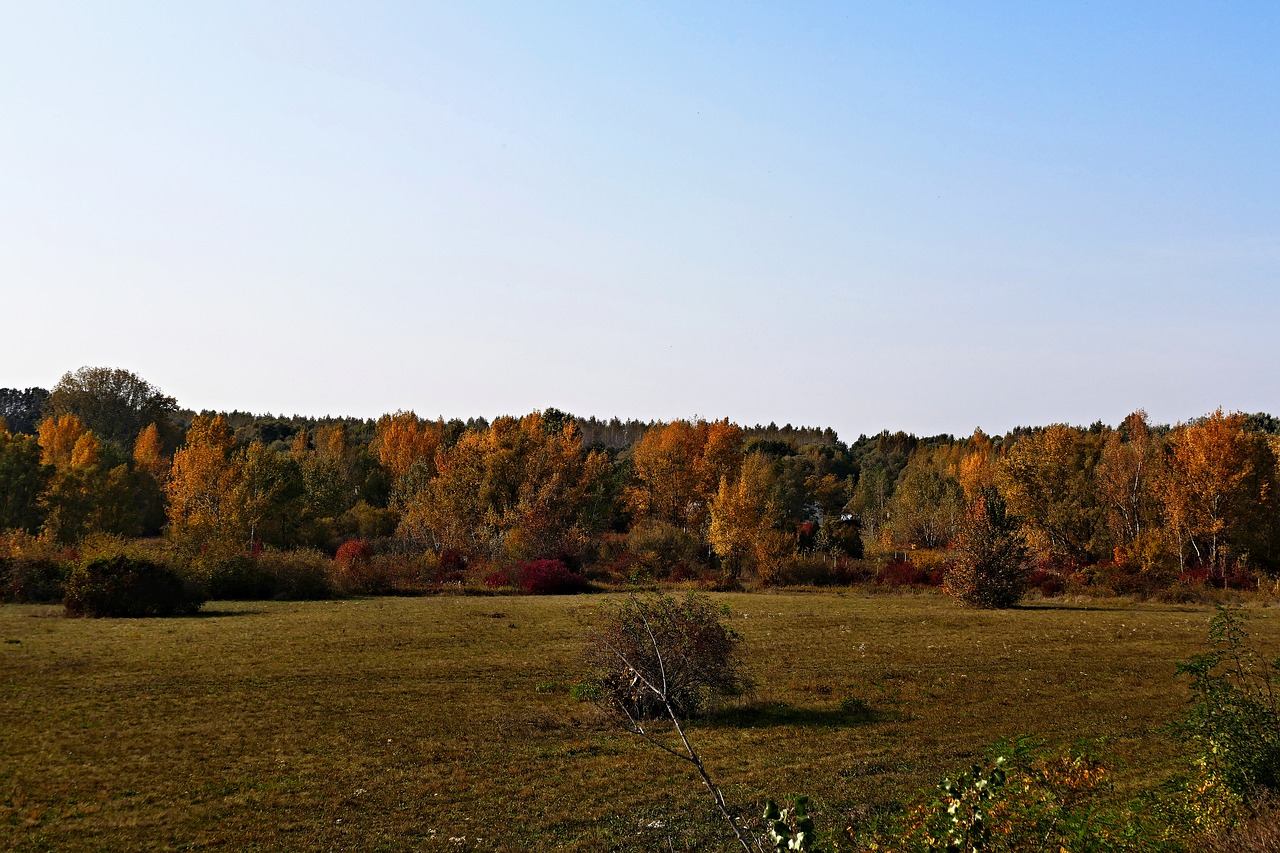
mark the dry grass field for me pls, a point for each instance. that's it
(446, 723)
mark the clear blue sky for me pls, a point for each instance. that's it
(920, 216)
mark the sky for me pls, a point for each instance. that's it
(919, 216)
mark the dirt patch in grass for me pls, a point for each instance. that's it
(386, 724)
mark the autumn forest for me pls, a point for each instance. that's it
(406, 502)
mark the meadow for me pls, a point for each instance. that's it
(449, 722)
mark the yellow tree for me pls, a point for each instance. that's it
(515, 488)
(928, 501)
(86, 452)
(404, 440)
(148, 454)
(665, 485)
(677, 468)
(1126, 478)
(743, 522)
(720, 456)
(203, 484)
(77, 497)
(976, 468)
(58, 437)
(328, 470)
(1209, 484)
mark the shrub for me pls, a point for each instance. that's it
(901, 573)
(662, 640)
(660, 549)
(1048, 582)
(32, 570)
(363, 577)
(549, 577)
(498, 579)
(124, 585)
(990, 568)
(1234, 718)
(1031, 799)
(354, 552)
(806, 570)
(227, 573)
(300, 575)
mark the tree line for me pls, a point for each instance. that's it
(104, 451)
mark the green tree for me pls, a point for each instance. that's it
(927, 504)
(23, 478)
(1048, 480)
(115, 404)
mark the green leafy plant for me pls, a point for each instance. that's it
(790, 828)
(1234, 716)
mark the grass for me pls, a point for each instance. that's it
(394, 723)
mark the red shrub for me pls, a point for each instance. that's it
(1048, 582)
(498, 579)
(353, 553)
(549, 577)
(1194, 577)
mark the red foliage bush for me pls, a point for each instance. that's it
(355, 552)
(902, 573)
(498, 579)
(1049, 583)
(1194, 577)
(1236, 578)
(549, 577)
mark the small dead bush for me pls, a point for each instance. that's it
(678, 646)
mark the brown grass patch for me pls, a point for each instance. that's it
(394, 723)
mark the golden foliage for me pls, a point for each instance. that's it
(403, 440)
(514, 488)
(148, 453)
(58, 437)
(678, 468)
(1210, 462)
(202, 484)
(86, 452)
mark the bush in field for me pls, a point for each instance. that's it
(1027, 798)
(549, 577)
(124, 585)
(300, 575)
(228, 573)
(661, 550)
(663, 640)
(31, 569)
(352, 553)
(1234, 718)
(990, 559)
